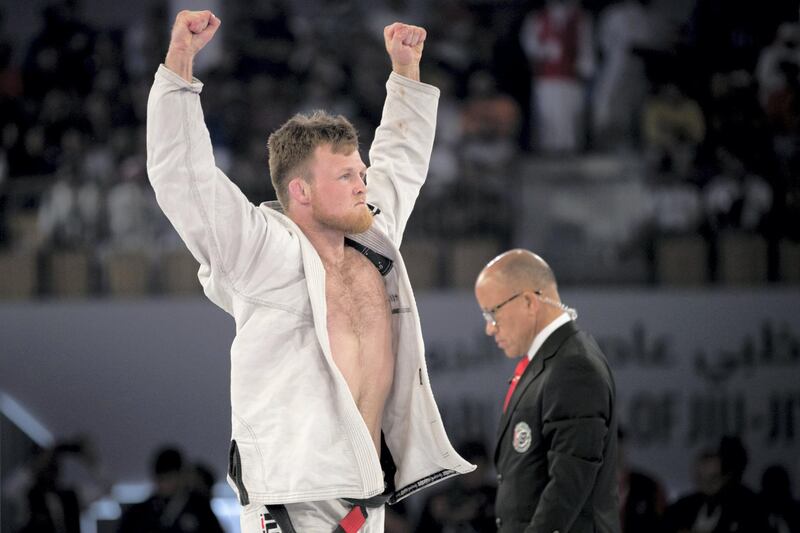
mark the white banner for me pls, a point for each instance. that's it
(690, 367)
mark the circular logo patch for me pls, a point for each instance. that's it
(522, 437)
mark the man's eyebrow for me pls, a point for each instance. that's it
(354, 169)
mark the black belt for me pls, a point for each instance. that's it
(351, 523)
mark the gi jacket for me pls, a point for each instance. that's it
(297, 434)
(557, 443)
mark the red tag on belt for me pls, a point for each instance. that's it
(356, 518)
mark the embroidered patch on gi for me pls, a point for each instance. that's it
(522, 437)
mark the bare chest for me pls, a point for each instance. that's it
(356, 298)
(360, 334)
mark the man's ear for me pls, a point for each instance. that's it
(299, 191)
(531, 302)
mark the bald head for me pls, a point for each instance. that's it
(518, 295)
(520, 269)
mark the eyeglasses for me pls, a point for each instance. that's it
(490, 314)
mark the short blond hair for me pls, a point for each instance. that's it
(292, 145)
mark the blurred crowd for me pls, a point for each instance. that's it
(52, 493)
(705, 92)
(47, 496)
(720, 500)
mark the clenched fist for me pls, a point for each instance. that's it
(193, 30)
(190, 33)
(404, 44)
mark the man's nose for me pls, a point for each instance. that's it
(491, 328)
(361, 187)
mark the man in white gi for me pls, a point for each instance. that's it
(332, 410)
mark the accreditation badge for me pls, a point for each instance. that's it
(522, 437)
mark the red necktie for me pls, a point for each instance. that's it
(521, 366)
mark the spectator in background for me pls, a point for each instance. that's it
(454, 50)
(10, 74)
(784, 50)
(735, 118)
(444, 170)
(621, 84)
(175, 506)
(673, 128)
(490, 123)
(61, 481)
(741, 510)
(735, 198)
(782, 109)
(69, 213)
(145, 39)
(783, 116)
(10, 95)
(202, 480)
(698, 511)
(557, 40)
(722, 504)
(783, 511)
(641, 498)
(467, 504)
(131, 207)
(473, 192)
(676, 207)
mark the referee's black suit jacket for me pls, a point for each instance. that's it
(557, 442)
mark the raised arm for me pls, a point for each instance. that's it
(401, 151)
(223, 230)
(190, 33)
